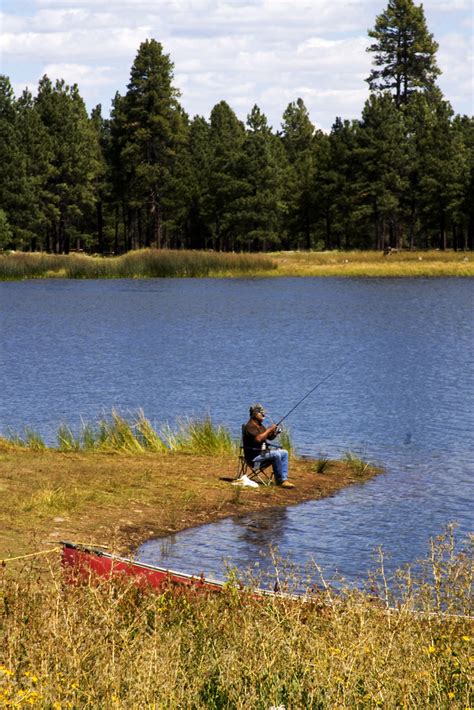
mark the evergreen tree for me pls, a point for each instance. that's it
(12, 163)
(74, 162)
(404, 51)
(382, 170)
(100, 239)
(260, 171)
(149, 135)
(466, 128)
(198, 233)
(227, 135)
(32, 219)
(443, 160)
(297, 137)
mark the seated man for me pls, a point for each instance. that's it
(254, 436)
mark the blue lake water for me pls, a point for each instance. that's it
(404, 397)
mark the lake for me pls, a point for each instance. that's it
(403, 398)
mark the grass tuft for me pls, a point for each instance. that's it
(201, 436)
(321, 464)
(51, 500)
(356, 463)
(28, 439)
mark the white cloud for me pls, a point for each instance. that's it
(81, 74)
(250, 51)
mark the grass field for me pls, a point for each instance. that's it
(122, 499)
(149, 263)
(112, 645)
(375, 264)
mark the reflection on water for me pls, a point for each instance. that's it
(404, 399)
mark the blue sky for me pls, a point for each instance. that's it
(268, 52)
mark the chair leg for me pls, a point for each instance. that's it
(263, 475)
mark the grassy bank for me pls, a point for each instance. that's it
(374, 264)
(113, 646)
(120, 482)
(150, 263)
(146, 263)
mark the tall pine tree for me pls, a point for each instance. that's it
(149, 133)
(404, 51)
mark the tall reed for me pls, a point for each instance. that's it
(193, 435)
(145, 263)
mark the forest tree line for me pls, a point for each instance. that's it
(149, 176)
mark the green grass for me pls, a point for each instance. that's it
(193, 435)
(373, 264)
(162, 263)
(358, 465)
(321, 464)
(146, 263)
(117, 434)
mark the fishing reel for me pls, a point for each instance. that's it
(278, 431)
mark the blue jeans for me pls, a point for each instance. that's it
(279, 459)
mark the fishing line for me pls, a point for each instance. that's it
(333, 372)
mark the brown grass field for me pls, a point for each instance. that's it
(122, 499)
(403, 643)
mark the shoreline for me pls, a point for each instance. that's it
(123, 500)
(165, 263)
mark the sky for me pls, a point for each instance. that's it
(245, 52)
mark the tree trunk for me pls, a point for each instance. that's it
(116, 231)
(442, 232)
(100, 228)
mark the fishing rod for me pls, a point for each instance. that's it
(333, 372)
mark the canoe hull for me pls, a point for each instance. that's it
(83, 563)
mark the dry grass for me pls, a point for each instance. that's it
(145, 263)
(111, 645)
(153, 263)
(121, 499)
(375, 264)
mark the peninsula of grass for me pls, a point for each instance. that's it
(166, 263)
(120, 483)
(404, 642)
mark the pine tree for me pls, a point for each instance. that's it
(198, 233)
(12, 164)
(382, 170)
(74, 161)
(344, 193)
(227, 135)
(298, 139)
(260, 171)
(444, 171)
(102, 186)
(32, 220)
(404, 51)
(149, 135)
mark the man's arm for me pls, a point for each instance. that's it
(266, 434)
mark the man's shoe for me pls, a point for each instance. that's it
(286, 484)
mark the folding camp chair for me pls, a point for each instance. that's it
(261, 471)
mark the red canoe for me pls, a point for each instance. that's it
(82, 563)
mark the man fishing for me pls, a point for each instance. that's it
(255, 436)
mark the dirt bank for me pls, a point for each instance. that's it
(123, 500)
